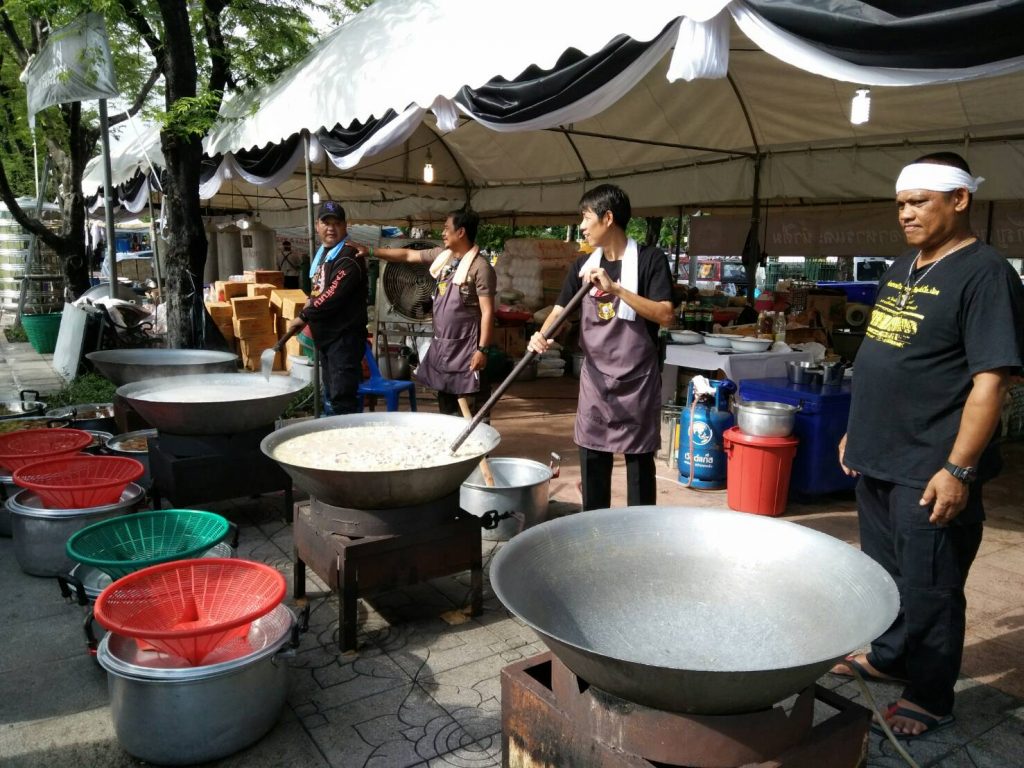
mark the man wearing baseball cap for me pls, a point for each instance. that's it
(336, 309)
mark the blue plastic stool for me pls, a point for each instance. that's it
(380, 386)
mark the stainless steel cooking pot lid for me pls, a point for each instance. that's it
(27, 502)
(121, 655)
(83, 411)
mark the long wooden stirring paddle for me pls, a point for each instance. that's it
(485, 468)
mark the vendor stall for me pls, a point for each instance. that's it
(735, 365)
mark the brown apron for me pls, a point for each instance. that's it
(620, 387)
(445, 367)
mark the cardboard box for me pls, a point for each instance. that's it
(278, 296)
(227, 330)
(273, 276)
(259, 289)
(291, 306)
(830, 309)
(251, 306)
(252, 350)
(220, 311)
(515, 341)
(229, 289)
(251, 327)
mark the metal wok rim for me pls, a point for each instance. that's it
(277, 386)
(528, 535)
(159, 357)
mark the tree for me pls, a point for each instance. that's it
(198, 51)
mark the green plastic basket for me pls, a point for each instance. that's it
(42, 331)
(125, 544)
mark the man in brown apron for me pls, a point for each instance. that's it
(463, 311)
(620, 384)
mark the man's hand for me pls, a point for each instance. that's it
(842, 455)
(479, 361)
(947, 495)
(600, 278)
(363, 249)
(296, 324)
(538, 343)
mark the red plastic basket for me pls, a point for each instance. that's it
(29, 445)
(77, 482)
(190, 608)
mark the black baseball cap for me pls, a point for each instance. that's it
(331, 208)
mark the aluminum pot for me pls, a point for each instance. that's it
(763, 418)
(129, 445)
(803, 372)
(168, 713)
(88, 416)
(40, 534)
(519, 496)
(124, 366)
(25, 406)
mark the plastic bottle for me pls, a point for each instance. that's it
(780, 326)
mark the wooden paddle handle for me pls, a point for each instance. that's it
(485, 468)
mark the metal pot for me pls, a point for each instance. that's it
(763, 418)
(26, 406)
(40, 533)
(97, 417)
(693, 610)
(258, 402)
(803, 372)
(31, 422)
(832, 373)
(519, 496)
(383, 489)
(124, 366)
(118, 446)
(168, 713)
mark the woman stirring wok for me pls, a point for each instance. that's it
(620, 382)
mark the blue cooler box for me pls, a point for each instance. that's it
(819, 425)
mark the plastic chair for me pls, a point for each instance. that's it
(380, 386)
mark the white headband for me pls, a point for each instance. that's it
(938, 178)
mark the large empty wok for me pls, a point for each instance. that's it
(693, 610)
(190, 405)
(385, 489)
(124, 366)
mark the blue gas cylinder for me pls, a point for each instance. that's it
(701, 425)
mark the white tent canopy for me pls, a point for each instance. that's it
(671, 143)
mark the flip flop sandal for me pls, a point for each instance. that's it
(865, 673)
(932, 724)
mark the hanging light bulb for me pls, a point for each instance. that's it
(316, 198)
(860, 108)
(428, 169)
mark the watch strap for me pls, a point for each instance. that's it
(963, 474)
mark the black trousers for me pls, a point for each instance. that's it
(596, 471)
(929, 564)
(448, 403)
(341, 362)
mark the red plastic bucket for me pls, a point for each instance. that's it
(757, 473)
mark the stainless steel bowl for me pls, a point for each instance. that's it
(803, 372)
(693, 610)
(124, 366)
(763, 418)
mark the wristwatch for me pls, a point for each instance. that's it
(482, 349)
(965, 475)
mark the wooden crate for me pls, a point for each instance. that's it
(251, 306)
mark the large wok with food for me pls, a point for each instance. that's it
(418, 467)
(124, 366)
(211, 403)
(693, 610)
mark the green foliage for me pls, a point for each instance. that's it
(301, 404)
(88, 388)
(190, 116)
(15, 334)
(492, 237)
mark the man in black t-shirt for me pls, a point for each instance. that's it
(930, 380)
(620, 386)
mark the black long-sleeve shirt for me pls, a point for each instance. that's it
(337, 304)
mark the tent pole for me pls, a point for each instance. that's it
(311, 233)
(154, 235)
(108, 197)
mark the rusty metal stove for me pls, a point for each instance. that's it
(188, 469)
(359, 551)
(552, 717)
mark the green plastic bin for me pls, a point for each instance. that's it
(42, 331)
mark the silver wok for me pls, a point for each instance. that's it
(693, 610)
(124, 366)
(383, 489)
(258, 403)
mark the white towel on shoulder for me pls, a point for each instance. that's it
(461, 271)
(629, 279)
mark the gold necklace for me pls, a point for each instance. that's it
(908, 287)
